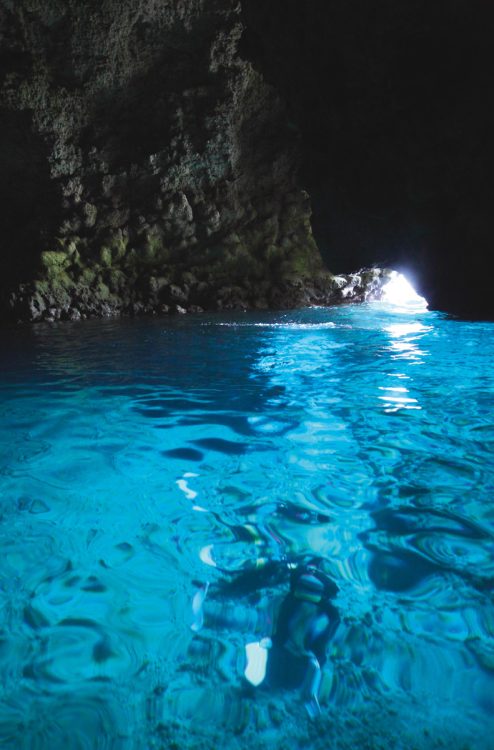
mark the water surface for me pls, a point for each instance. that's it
(159, 480)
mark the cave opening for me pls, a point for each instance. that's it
(393, 108)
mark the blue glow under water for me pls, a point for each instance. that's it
(161, 480)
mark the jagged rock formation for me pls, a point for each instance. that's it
(155, 155)
(146, 164)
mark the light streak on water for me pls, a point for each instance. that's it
(162, 482)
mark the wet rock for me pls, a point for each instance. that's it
(149, 170)
(156, 284)
(155, 188)
(364, 286)
(175, 294)
(90, 213)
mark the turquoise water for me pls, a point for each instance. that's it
(164, 482)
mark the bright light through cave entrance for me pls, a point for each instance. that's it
(400, 293)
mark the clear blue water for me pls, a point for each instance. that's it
(163, 481)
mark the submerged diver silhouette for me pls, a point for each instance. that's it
(292, 649)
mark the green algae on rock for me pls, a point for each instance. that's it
(152, 149)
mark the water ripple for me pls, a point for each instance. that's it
(175, 496)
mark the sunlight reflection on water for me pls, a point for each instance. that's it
(162, 482)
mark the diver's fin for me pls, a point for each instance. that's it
(311, 688)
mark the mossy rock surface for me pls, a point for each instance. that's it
(54, 261)
(146, 158)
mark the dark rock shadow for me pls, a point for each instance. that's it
(393, 105)
(30, 200)
(132, 121)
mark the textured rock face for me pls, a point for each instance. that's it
(154, 155)
(146, 165)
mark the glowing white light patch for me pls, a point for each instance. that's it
(399, 399)
(206, 555)
(400, 293)
(282, 326)
(406, 329)
(197, 608)
(257, 659)
(182, 485)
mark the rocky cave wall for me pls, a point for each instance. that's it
(146, 165)
(155, 156)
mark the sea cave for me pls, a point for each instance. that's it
(246, 382)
